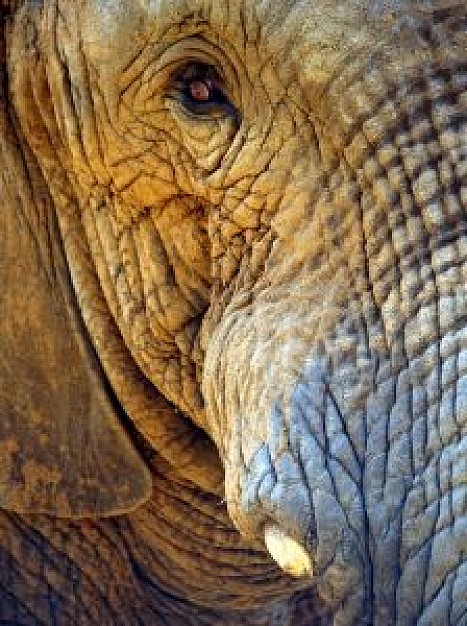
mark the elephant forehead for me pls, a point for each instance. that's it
(114, 31)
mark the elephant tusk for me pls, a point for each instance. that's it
(289, 555)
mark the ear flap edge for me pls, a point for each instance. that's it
(63, 448)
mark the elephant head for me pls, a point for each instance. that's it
(246, 227)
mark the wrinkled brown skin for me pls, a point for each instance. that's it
(217, 319)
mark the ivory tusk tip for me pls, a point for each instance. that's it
(289, 555)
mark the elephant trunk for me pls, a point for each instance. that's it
(336, 378)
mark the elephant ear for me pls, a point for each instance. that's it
(63, 450)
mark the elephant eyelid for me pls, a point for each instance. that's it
(201, 91)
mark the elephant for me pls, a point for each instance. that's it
(233, 315)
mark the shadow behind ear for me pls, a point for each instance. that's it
(63, 450)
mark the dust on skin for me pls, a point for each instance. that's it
(8, 448)
(36, 474)
(32, 473)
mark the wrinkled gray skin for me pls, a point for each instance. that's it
(287, 266)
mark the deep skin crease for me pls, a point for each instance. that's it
(233, 264)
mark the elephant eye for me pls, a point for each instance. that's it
(202, 91)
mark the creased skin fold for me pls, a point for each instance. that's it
(272, 292)
(336, 388)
